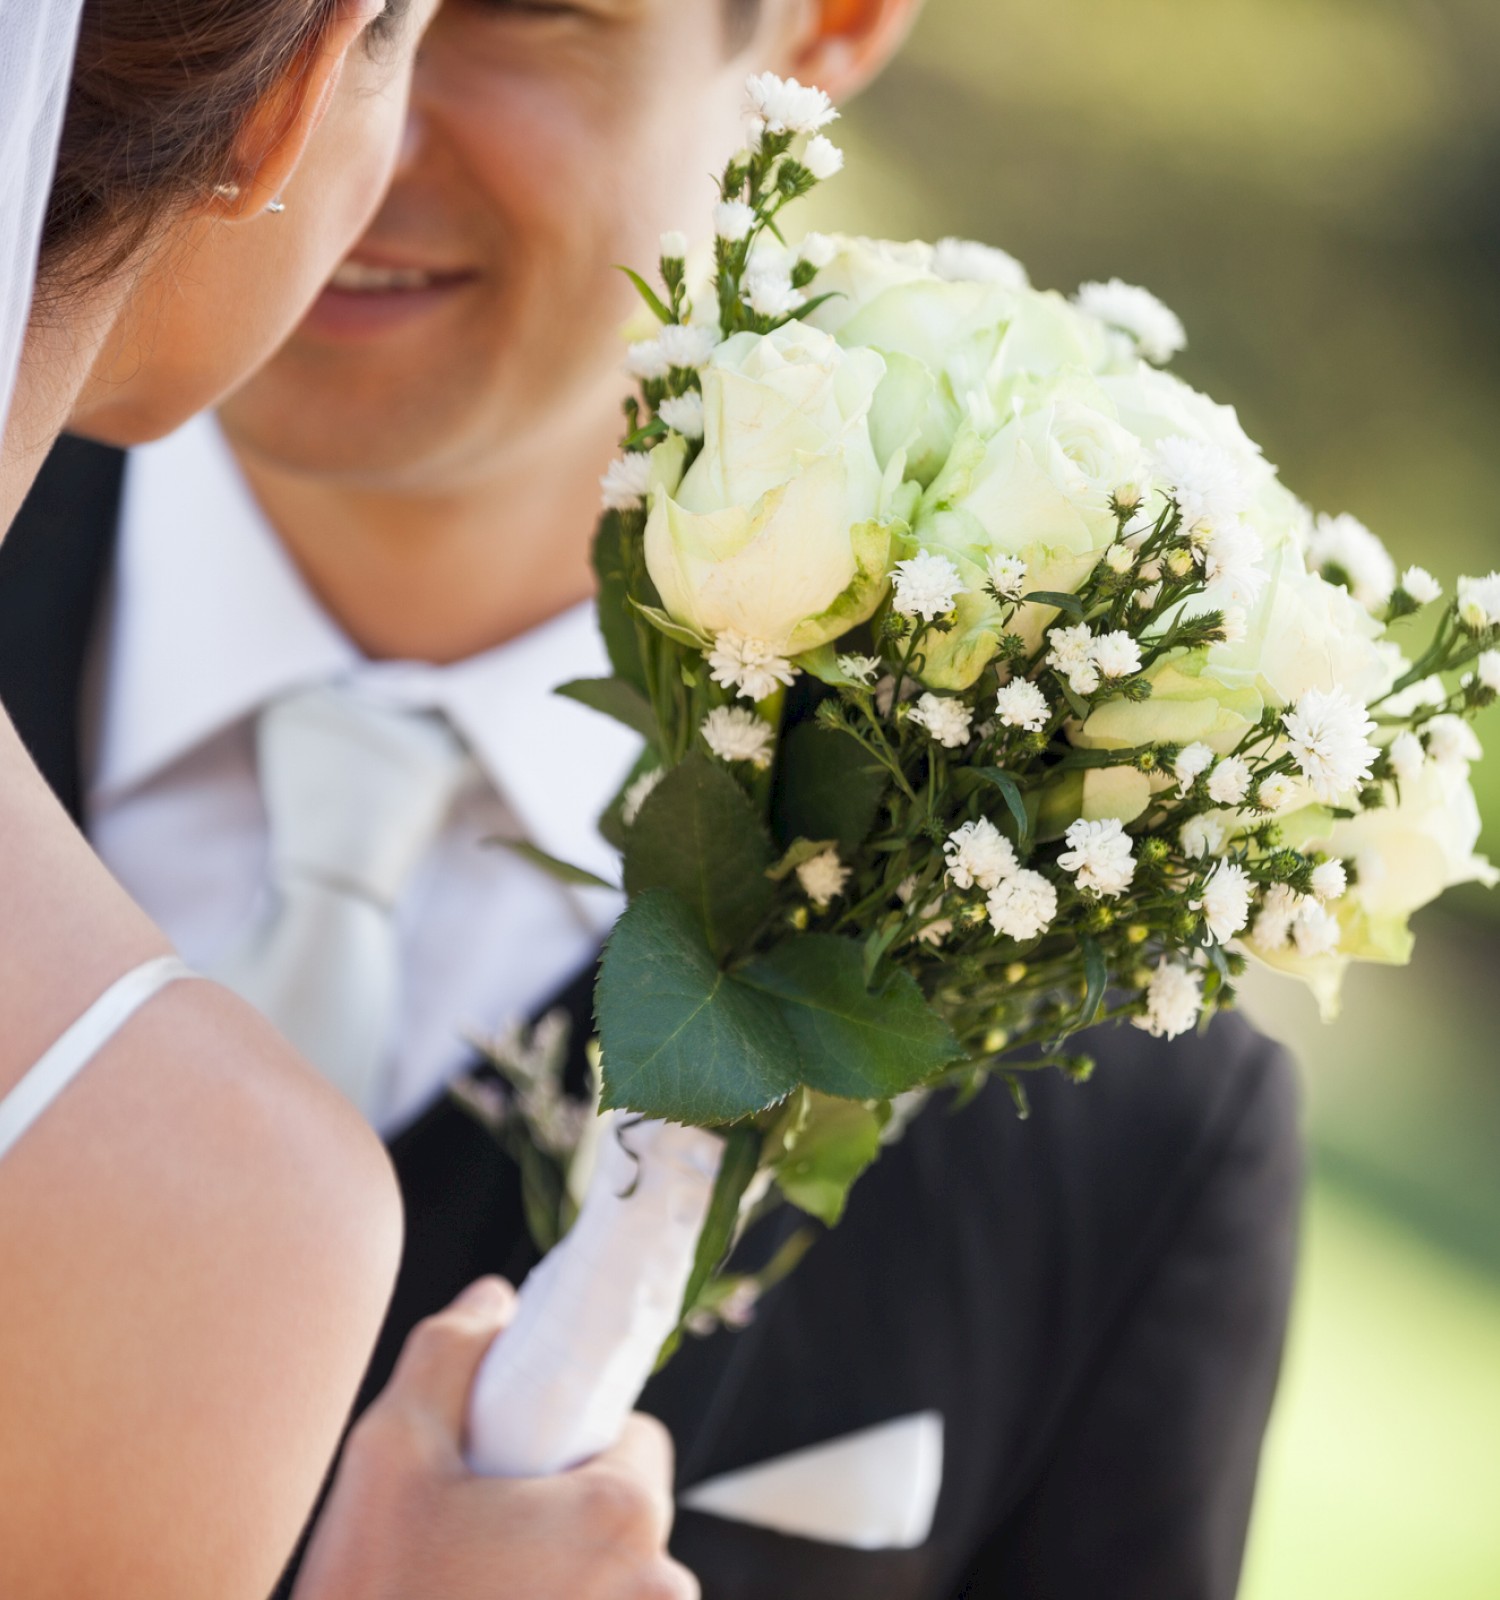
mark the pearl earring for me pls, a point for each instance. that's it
(276, 207)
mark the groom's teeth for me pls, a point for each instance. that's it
(356, 276)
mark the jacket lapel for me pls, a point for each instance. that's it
(53, 567)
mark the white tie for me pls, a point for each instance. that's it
(355, 793)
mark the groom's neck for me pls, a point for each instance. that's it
(443, 565)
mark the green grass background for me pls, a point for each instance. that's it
(1314, 185)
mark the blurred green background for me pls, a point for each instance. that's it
(1314, 185)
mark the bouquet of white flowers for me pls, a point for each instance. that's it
(992, 687)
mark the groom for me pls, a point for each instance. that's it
(359, 585)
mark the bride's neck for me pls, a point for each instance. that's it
(60, 354)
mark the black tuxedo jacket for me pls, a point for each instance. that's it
(1094, 1299)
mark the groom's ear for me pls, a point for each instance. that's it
(841, 45)
(276, 134)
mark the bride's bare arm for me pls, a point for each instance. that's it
(196, 1245)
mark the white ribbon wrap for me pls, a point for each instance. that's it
(559, 1383)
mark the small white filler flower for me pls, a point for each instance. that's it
(1192, 762)
(979, 853)
(823, 878)
(1421, 586)
(968, 261)
(1022, 906)
(735, 734)
(948, 721)
(1344, 547)
(783, 105)
(733, 220)
(684, 414)
(623, 486)
(1100, 855)
(1157, 329)
(1020, 704)
(926, 586)
(1226, 902)
(1229, 782)
(1329, 737)
(823, 158)
(1174, 1001)
(1008, 576)
(751, 667)
(1479, 602)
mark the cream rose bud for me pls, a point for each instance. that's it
(781, 529)
(1040, 489)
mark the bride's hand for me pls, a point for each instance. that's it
(406, 1518)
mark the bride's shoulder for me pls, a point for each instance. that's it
(196, 1242)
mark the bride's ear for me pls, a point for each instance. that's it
(841, 45)
(276, 134)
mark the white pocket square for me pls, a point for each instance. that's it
(876, 1489)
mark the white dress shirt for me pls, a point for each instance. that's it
(208, 620)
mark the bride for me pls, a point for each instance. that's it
(196, 1237)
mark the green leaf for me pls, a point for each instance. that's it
(840, 1140)
(853, 1041)
(614, 697)
(562, 871)
(699, 836)
(823, 664)
(1054, 597)
(741, 1159)
(617, 621)
(673, 630)
(1076, 704)
(827, 787)
(648, 294)
(1096, 970)
(680, 1038)
(1011, 790)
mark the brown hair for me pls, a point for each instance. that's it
(160, 93)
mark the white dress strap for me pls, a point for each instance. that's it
(44, 1082)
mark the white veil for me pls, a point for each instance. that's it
(37, 39)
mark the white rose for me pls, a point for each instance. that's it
(1405, 856)
(1303, 633)
(953, 350)
(1038, 489)
(779, 531)
(1157, 405)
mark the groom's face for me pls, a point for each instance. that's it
(482, 311)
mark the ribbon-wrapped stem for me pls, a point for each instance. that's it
(558, 1385)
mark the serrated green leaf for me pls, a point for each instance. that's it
(673, 630)
(827, 787)
(839, 1142)
(562, 871)
(853, 1041)
(1054, 597)
(648, 294)
(614, 697)
(699, 836)
(1014, 799)
(680, 1038)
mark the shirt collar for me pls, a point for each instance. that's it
(210, 620)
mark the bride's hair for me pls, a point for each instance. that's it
(160, 93)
